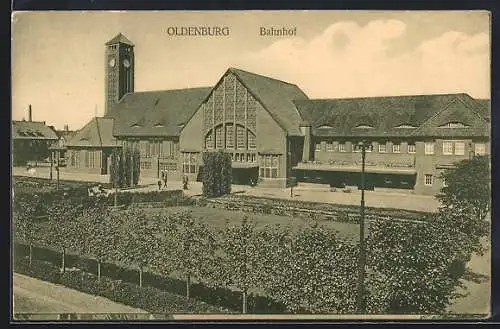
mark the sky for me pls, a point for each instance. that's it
(58, 57)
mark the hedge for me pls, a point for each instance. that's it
(222, 297)
(146, 298)
(329, 207)
(305, 210)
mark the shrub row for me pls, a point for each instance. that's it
(147, 298)
(344, 213)
(222, 297)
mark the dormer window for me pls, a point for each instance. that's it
(135, 125)
(404, 125)
(180, 125)
(158, 125)
(364, 126)
(454, 125)
(325, 127)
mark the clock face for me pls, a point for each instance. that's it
(112, 62)
(126, 63)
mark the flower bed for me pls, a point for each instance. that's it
(307, 210)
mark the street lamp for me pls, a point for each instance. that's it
(471, 152)
(362, 146)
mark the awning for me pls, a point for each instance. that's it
(236, 164)
(368, 169)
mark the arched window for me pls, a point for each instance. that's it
(454, 125)
(364, 126)
(251, 140)
(209, 140)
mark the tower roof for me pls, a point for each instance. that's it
(119, 38)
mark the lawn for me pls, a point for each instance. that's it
(218, 217)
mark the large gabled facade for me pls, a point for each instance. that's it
(251, 117)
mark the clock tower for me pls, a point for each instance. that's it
(119, 70)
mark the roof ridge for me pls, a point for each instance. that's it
(378, 97)
(263, 76)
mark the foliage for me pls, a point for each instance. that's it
(239, 265)
(217, 174)
(466, 203)
(467, 188)
(195, 246)
(125, 167)
(136, 156)
(149, 299)
(310, 271)
(408, 270)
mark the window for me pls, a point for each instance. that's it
(251, 140)
(240, 137)
(209, 142)
(447, 147)
(219, 138)
(90, 157)
(459, 148)
(329, 147)
(253, 157)
(428, 180)
(342, 147)
(189, 162)
(168, 166)
(396, 148)
(229, 136)
(412, 148)
(429, 148)
(382, 148)
(480, 149)
(145, 165)
(269, 164)
(317, 147)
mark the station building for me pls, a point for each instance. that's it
(277, 135)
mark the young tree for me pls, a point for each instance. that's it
(116, 168)
(239, 263)
(408, 268)
(217, 174)
(194, 250)
(63, 232)
(99, 232)
(136, 155)
(139, 239)
(128, 166)
(466, 203)
(310, 271)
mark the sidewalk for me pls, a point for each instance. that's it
(306, 192)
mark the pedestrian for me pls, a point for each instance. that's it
(185, 182)
(159, 184)
(164, 175)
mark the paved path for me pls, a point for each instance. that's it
(305, 192)
(35, 296)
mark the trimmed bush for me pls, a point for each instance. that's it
(147, 298)
(217, 174)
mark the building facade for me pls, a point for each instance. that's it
(31, 141)
(277, 136)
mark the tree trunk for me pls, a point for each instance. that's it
(116, 197)
(244, 308)
(188, 283)
(98, 271)
(63, 260)
(31, 253)
(140, 277)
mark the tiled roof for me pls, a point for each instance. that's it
(97, 133)
(119, 38)
(276, 96)
(156, 113)
(390, 116)
(32, 130)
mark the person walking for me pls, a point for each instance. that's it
(159, 184)
(185, 182)
(165, 177)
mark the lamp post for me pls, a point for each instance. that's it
(471, 152)
(57, 170)
(363, 146)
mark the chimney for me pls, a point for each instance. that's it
(30, 118)
(66, 128)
